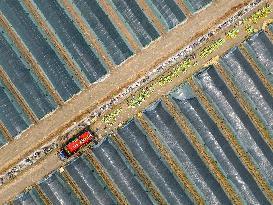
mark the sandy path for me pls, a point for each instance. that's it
(86, 101)
(135, 67)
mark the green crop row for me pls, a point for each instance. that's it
(233, 33)
(111, 118)
(175, 72)
(212, 47)
(141, 97)
(261, 13)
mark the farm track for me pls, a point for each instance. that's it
(56, 43)
(88, 35)
(131, 67)
(80, 105)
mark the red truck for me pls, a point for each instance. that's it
(75, 143)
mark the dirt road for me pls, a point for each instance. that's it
(78, 107)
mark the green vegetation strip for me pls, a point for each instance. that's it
(212, 47)
(111, 117)
(145, 93)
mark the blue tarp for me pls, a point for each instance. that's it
(171, 134)
(222, 152)
(239, 122)
(195, 5)
(58, 191)
(121, 174)
(134, 17)
(24, 80)
(89, 183)
(72, 39)
(104, 30)
(52, 65)
(11, 114)
(28, 198)
(168, 12)
(153, 165)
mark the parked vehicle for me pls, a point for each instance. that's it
(74, 144)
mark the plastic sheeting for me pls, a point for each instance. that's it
(195, 5)
(171, 134)
(3, 140)
(51, 64)
(88, 182)
(139, 24)
(153, 165)
(168, 11)
(261, 49)
(245, 131)
(104, 29)
(28, 198)
(11, 114)
(210, 135)
(121, 174)
(25, 81)
(249, 84)
(72, 39)
(58, 191)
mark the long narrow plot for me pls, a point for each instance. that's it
(72, 39)
(58, 191)
(138, 23)
(11, 114)
(89, 183)
(28, 198)
(52, 65)
(121, 174)
(104, 30)
(178, 144)
(137, 141)
(3, 140)
(210, 135)
(261, 49)
(235, 117)
(168, 11)
(249, 84)
(25, 81)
